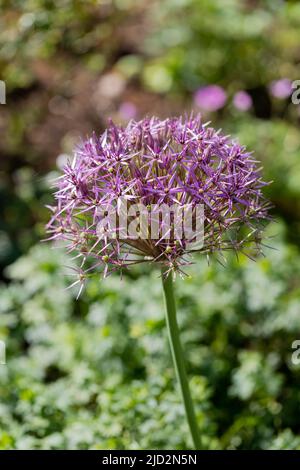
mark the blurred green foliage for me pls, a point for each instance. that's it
(97, 373)
(232, 42)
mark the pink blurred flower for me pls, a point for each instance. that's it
(210, 97)
(242, 101)
(281, 88)
(127, 110)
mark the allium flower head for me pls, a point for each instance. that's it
(242, 101)
(128, 110)
(178, 162)
(210, 97)
(281, 88)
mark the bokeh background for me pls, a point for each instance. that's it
(97, 373)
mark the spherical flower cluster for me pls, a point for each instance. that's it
(177, 161)
(210, 98)
(242, 101)
(282, 88)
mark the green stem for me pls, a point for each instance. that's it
(178, 359)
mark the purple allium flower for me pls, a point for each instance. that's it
(157, 162)
(281, 88)
(242, 101)
(128, 110)
(210, 97)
